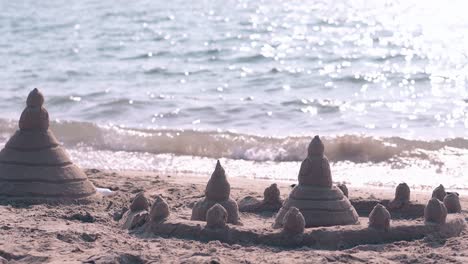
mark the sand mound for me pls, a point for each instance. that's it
(435, 212)
(271, 201)
(379, 218)
(33, 165)
(452, 203)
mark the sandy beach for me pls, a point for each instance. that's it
(91, 233)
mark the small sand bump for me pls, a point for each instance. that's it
(271, 195)
(379, 218)
(435, 212)
(159, 209)
(402, 196)
(293, 222)
(216, 217)
(139, 203)
(452, 203)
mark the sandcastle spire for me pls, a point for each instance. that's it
(218, 188)
(316, 147)
(315, 169)
(35, 98)
(34, 116)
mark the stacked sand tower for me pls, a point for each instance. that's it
(33, 165)
(321, 203)
(217, 191)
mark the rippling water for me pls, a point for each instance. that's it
(197, 79)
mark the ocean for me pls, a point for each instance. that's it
(172, 86)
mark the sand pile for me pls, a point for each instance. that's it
(402, 196)
(379, 218)
(452, 203)
(217, 192)
(33, 165)
(138, 213)
(271, 201)
(320, 203)
(435, 212)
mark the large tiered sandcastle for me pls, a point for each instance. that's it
(321, 203)
(33, 165)
(217, 191)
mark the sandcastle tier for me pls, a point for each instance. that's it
(217, 192)
(320, 203)
(33, 165)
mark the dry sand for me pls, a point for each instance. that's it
(89, 233)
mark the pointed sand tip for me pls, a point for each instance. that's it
(316, 146)
(35, 98)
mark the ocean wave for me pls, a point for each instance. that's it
(354, 148)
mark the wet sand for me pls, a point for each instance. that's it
(90, 233)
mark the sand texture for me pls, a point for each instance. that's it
(92, 233)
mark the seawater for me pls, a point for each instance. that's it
(172, 85)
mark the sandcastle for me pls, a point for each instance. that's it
(217, 192)
(319, 199)
(34, 168)
(320, 203)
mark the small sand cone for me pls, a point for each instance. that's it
(218, 188)
(216, 217)
(344, 189)
(271, 195)
(452, 203)
(293, 221)
(217, 191)
(139, 203)
(402, 196)
(379, 218)
(439, 193)
(159, 209)
(435, 212)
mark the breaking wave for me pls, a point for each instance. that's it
(354, 148)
